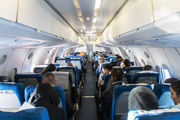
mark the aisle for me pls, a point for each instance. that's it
(88, 109)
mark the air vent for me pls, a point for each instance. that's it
(3, 59)
(146, 54)
(30, 55)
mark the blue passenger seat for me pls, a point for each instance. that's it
(28, 78)
(120, 100)
(39, 68)
(39, 113)
(160, 114)
(58, 89)
(11, 95)
(146, 77)
(61, 61)
(163, 94)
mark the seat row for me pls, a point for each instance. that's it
(13, 95)
(121, 94)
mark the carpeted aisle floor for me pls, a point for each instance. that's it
(88, 109)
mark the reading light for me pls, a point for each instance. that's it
(87, 18)
(83, 27)
(97, 4)
(93, 27)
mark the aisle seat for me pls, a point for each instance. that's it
(120, 100)
(61, 61)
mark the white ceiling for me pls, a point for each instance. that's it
(106, 12)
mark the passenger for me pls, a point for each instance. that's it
(147, 68)
(175, 94)
(125, 63)
(69, 64)
(113, 63)
(44, 95)
(142, 98)
(96, 67)
(50, 67)
(106, 69)
(170, 80)
(110, 53)
(106, 97)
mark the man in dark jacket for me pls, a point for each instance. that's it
(45, 95)
(105, 99)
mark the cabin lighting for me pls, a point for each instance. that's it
(46, 61)
(97, 4)
(95, 19)
(93, 27)
(83, 27)
(87, 18)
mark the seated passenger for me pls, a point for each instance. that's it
(147, 68)
(175, 94)
(142, 98)
(106, 96)
(125, 63)
(44, 95)
(96, 67)
(170, 80)
(106, 69)
(69, 64)
(50, 67)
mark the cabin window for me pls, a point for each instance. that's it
(34, 65)
(3, 59)
(30, 55)
(142, 62)
(146, 54)
(165, 73)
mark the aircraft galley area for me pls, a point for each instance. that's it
(89, 59)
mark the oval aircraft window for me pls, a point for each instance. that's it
(146, 54)
(3, 59)
(165, 72)
(30, 55)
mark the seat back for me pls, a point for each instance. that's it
(56, 64)
(72, 70)
(81, 57)
(120, 99)
(39, 68)
(38, 113)
(78, 63)
(11, 95)
(64, 79)
(163, 94)
(58, 89)
(159, 114)
(28, 78)
(132, 63)
(61, 61)
(106, 60)
(132, 70)
(146, 77)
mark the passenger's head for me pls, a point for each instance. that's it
(170, 80)
(110, 53)
(106, 68)
(125, 63)
(101, 60)
(175, 91)
(118, 57)
(113, 64)
(148, 68)
(116, 75)
(69, 64)
(50, 67)
(49, 78)
(142, 98)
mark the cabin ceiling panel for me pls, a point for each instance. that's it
(164, 8)
(106, 13)
(87, 10)
(8, 9)
(67, 9)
